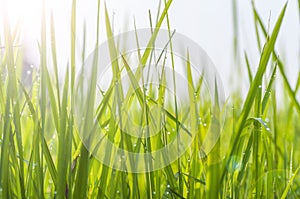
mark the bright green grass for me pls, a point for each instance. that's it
(42, 156)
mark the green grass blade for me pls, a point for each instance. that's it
(291, 93)
(248, 68)
(256, 21)
(268, 90)
(268, 49)
(235, 29)
(54, 58)
(62, 163)
(193, 108)
(73, 45)
(47, 153)
(299, 8)
(285, 193)
(52, 100)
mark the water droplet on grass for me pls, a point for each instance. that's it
(106, 128)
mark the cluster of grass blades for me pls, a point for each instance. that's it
(42, 155)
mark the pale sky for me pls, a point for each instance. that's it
(209, 23)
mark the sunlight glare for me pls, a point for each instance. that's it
(26, 13)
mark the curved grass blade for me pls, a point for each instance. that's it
(47, 153)
(291, 180)
(248, 68)
(280, 64)
(268, 90)
(268, 49)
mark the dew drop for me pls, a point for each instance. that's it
(106, 128)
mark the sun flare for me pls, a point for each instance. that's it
(23, 13)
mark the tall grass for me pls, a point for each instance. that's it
(42, 155)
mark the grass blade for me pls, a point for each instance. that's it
(268, 49)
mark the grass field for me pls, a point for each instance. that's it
(43, 156)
